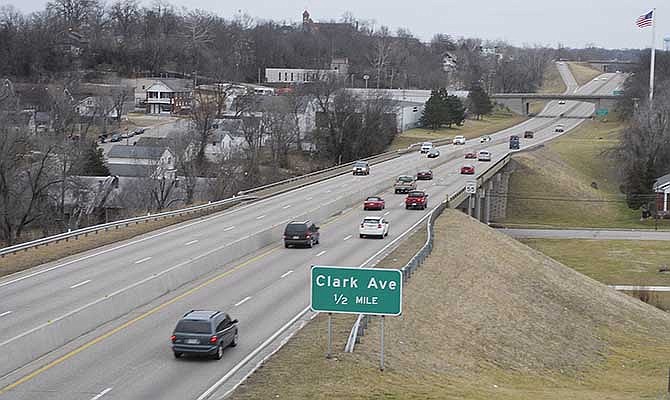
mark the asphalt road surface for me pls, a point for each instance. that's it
(130, 358)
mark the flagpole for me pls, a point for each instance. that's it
(653, 58)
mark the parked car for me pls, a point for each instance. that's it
(528, 134)
(559, 128)
(301, 233)
(470, 155)
(514, 142)
(416, 199)
(404, 184)
(361, 168)
(139, 131)
(424, 175)
(116, 137)
(485, 139)
(374, 227)
(426, 147)
(468, 169)
(459, 139)
(433, 153)
(374, 203)
(126, 135)
(204, 332)
(484, 155)
(102, 138)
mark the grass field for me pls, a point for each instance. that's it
(552, 83)
(497, 121)
(476, 324)
(583, 72)
(572, 181)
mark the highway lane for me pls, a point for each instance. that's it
(593, 234)
(450, 168)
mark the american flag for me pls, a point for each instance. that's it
(645, 20)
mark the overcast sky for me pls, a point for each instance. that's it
(574, 23)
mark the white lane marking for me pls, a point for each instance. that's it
(283, 276)
(80, 284)
(99, 395)
(143, 260)
(287, 206)
(5, 313)
(348, 237)
(230, 228)
(191, 242)
(309, 198)
(321, 253)
(261, 216)
(239, 303)
(403, 203)
(328, 191)
(387, 213)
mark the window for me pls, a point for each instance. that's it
(224, 324)
(190, 326)
(291, 76)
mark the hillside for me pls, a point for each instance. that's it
(494, 320)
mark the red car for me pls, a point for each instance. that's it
(374, 203)
(468, 169)
(424, 174)
(416, 199)
(470, 155)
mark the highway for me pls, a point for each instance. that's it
(130, 357)
(595, 234)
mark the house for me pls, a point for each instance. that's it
(131, 170)
(97, 107)
(159, 161)
(71, 42)
(338, 66)
(449, 63)
(169, 95)
(227, 139)
(662, 189)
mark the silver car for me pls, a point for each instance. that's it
(484, 155)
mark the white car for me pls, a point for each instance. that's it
(374, 227)
(559, 128)
(484, 155)
(459, 139)
(561, 102)
(426, 147)
(485, 138)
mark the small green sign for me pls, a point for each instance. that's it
(601, 112)
(618, 93)
(375, 291)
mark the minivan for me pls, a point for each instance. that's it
(301, 233)
(205, 332)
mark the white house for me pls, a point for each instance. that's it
(169, 96)
(159, 159)
(338, 66)
(662, 190)
(97, 107)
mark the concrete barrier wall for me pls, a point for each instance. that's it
(39, 341)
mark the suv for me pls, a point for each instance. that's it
(426, 147)
(204, 332)
(416, 199)
(514, 142)
(459, 139)
(528, 134)
(404, 184)
(304, 233)
(361, 168)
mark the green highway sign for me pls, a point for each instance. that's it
(617, 93)
(375, 291)
(601, 112)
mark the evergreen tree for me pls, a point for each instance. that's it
(93, 162)
(433, 112)
(479, 102)
(455, 111)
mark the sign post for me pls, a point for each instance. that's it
(346, 290)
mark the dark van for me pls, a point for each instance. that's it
(301, 233)
(514, 142)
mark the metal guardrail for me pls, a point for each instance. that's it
(361, 323)
(66, 236)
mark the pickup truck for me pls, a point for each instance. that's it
(404, 184)
(416, 199)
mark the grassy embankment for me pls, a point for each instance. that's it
(583, 72)
(482, 324)
(495, 122)
(553, 83)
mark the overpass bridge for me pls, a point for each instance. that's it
(520, 102)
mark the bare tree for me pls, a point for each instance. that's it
(203, 114)
(254, 133)
(280, 125)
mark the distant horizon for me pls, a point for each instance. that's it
(594, 23)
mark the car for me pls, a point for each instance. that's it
(459, 139)
(424, 175)
(416, 199)
(301, 233)
(468, 169)
(528, 134)
(373, 227)
(618, 72)
(361, 168)
(102, 138)
(374, 203)
(426, 147)
(514, 142)
(126, 135)
(470, 155)
(485, 139)
(484, 155)
(205, 332)
(116, 137)
(561, 102)
(433, 153)
(559, 128)
(139, 131)
(404, 184)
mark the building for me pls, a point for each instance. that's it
(141, 161)
(97, 107)
(662, 190)
(169, 95)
